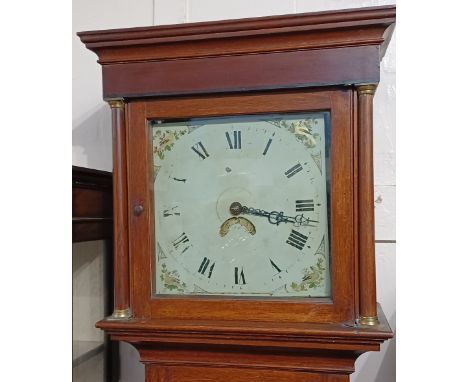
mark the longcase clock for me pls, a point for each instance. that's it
(243, 194)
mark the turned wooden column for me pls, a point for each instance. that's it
(367, 286)
(119, 183)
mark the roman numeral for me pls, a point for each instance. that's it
(239, 277)
(200, 150)
(275, 267)
(181, 239)
(296, 239)
(293, 170)
(267, 146)
(204, 266)
(304, 205)
(234, 143)
(171, 212)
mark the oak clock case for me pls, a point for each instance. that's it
(241, 206)
(243, 199)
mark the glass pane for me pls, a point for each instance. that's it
(241, 206)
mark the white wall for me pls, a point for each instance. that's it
(89, 301)
(92, 139)
(91, 115)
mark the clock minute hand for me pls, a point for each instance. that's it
(275, 217)
(298, 220)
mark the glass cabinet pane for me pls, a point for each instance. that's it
(241, 206)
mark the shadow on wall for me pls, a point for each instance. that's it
(386, 372)
(92, 140)
(131, 369)
(379, 366)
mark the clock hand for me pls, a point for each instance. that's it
(274, 217)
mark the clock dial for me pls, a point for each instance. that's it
(241, 206)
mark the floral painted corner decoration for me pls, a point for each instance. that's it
(302, 130)
(313, 275)
(171, 279)
(163, 140)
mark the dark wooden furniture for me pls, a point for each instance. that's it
(318, 61)
(92, 220)
(91, 204)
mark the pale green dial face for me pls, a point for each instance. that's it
(241, 206)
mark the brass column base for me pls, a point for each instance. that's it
(120, 314)
(368, 321)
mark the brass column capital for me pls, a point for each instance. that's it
(366, 89)
(116, 103)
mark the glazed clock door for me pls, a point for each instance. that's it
(241, 205)
(243, 208)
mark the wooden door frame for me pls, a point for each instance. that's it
(341, 306)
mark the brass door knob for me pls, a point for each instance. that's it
(138, 210)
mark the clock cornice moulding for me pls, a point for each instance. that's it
(318, 30)
(322, 49)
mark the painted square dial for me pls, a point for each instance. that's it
(241, 206)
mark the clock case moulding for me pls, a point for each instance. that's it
(295, 62)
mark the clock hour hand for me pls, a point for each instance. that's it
(274, 217)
